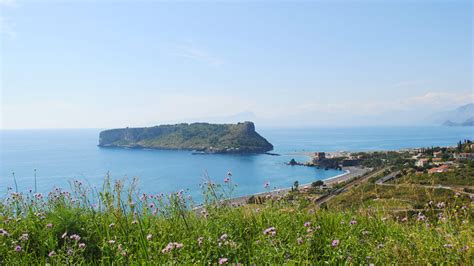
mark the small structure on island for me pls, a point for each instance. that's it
(318, 156)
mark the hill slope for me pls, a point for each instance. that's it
(212, 138)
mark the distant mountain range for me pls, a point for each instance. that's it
(468, 123)
(461, 116)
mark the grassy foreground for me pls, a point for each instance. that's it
(118, 225)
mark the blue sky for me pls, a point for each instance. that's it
(74, 64)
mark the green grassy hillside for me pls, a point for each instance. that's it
(120, 225)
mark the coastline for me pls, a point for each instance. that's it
(350, 173)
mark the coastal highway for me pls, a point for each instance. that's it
(328, 197)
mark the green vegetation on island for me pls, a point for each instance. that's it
(209, 138)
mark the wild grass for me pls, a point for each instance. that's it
(120, 225)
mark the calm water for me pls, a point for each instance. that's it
(60, 155)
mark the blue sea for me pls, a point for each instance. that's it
(61, 155)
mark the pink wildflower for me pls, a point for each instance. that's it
(24, 237)
(335, 243)
(75, 237)
(82, 245)
(299, 240)
(18, 248)
(223, 237)
(270, 231)
(3, 232)
(49, 226)
(352, 222)
(307, 224)
(223, 261)
(52, 254)
(171, 246)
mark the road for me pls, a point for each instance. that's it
(328, 197)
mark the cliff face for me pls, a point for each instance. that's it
(212, 138)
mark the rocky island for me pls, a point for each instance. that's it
(202, 137)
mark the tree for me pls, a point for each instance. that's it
(317, 183)
(296, 184)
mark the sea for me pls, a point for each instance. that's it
(61, 155)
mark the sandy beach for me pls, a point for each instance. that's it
(349, 173)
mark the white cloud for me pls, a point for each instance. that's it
(9, 3)
(195, 53)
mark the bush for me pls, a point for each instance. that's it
(317, 183)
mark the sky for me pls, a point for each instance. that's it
(103, 64)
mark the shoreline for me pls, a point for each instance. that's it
(350, 173)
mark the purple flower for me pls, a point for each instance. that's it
(49, 226)
(227, 180)
(24, 237)
(266, 185)
(171, 246)
(352, 222)
(270, 231)
(299, 240)
(223, 237)
(307, 224)
(335, 243)
(3, 232)
(18, 248)
(421, 217)
(75, 237)
(52, 254)
(223, 261)
(82, 245)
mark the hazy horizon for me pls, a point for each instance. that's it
(278, 64)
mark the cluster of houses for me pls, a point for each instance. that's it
(442, 161)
